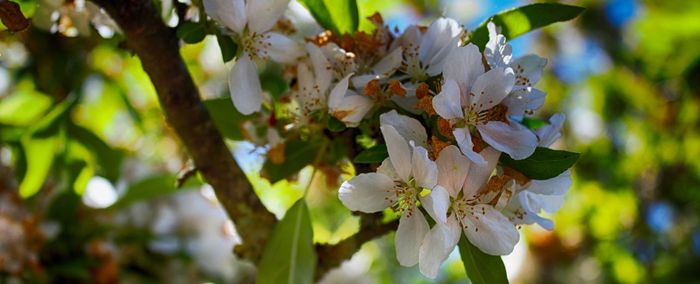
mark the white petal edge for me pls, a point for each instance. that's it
(409, 128)
(244, 85)
(512, 138)
(399, 151)
(437, 246)
(409, 236)
(453, 168)
(447, 103)
(492, 232)
(369, 192)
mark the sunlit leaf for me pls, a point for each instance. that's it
(518, 21)
(481, 267)
(289, 255)
(23, 108)
(339, 16)
(543, 164)
(227, 119)
(373, 155)
(39, 155)
(297, 155)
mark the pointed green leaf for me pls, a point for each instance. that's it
(39, 155)
(150, 187)
(481, 267)
(289, 255)
(227, 46)
(518, 21)
(339, 16)
(373, 155)
(543, 164)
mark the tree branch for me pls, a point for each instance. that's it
(158, 48)
(331, 256)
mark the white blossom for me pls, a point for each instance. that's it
(470, 98)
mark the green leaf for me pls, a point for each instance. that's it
(543, 164)
(339, 16)
(335, 125)
(297, 155)
(226, 118)
(518, 21)
(23, 108)
(289, 255)
(481, 267)
(373, 155)
(191, 32)
(39, 156)
(227, 46)
(148, 188)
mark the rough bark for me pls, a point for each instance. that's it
(158, 48)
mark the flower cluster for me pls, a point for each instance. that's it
(446, 111)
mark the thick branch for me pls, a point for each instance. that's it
(331, 256)
(158, 48)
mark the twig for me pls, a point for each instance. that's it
(158, 48)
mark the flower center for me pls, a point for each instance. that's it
(257, 45)
(405, 197)
(474, 116)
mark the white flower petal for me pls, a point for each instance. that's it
(492, 87)
(490, 231)
(464, 141)
(409, 236)
(520, 101)
(360, 81)
(479, 174)
(453, 168)
(335, 99)
(520, 211)
(352, 109)
(387, 169)
(399, 151)
(321, 67)
(279, 48)
(424, 170)
(231, 13)
(558, 185)
(498, 53)
(369, 193)
(409, 128)
(512, 138)
(436, 204)
(437, 62)
(528, 70)
(447, 103)
(244, 85)
(438, 37)
(549, 134)
(263, 14)
(464, 66)
(437, 246)
(389, 63)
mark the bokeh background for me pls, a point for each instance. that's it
(626, 73)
